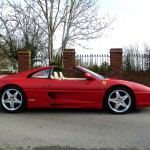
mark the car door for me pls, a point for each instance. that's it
(72, 91)
(34, 86)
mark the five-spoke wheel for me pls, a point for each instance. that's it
(119, 100)
(13, 99)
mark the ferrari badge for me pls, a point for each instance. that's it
(104, 82)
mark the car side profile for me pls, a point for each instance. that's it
(46, 87)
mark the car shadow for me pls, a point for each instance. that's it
(68, 110)
(84, 111)
(76, 111)
(62, 110)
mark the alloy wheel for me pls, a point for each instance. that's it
(12, 99)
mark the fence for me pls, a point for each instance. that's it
(131, 62)
(135, 67)
(99, 63)
(6, 71)
(91, 60)
(130, 67)
(41, 60)
(136, 62)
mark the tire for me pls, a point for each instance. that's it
(119, 100)
(13, 99)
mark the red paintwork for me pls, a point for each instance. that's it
(70, 93)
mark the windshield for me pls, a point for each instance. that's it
(92, 73)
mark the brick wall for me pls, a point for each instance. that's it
(69, 62)
(139, 77)
(117, 69)
(24, 60)
(24, 63)
(116, 64)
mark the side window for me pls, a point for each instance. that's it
(41, 74)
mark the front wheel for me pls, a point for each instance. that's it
(119, 100)
(13, 99)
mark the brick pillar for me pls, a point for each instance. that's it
(24, 60)
(69, 62)
(116, 62)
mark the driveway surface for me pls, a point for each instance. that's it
(75, 129)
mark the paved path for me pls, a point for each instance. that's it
(75, 129)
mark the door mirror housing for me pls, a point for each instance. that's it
(89, 76)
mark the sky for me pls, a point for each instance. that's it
(131, 26)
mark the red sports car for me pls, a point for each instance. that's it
(46, 87)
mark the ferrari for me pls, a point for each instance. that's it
(47, 87)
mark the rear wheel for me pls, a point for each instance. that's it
(13, 99)
(119, 100)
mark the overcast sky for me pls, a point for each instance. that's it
(132, 25)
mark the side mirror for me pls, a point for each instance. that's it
(89, 76)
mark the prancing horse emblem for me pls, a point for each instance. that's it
(104, 82)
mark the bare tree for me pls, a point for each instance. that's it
(4, 61)
(147, 56)
(67, 22)
(32, 35)
(136, 59)
(131, 59)
(8, 45)
(20, 32)
(50, 26)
